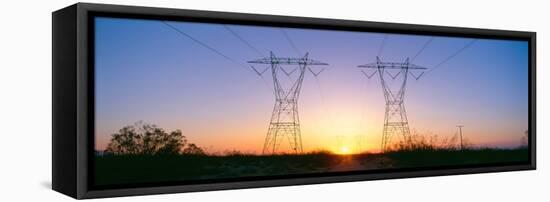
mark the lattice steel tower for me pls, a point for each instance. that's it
(284, 120)
(395, 119)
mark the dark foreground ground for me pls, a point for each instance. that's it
(124, 169)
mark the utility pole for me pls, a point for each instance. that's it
(285, 121)
(395, 119)
(460, 130)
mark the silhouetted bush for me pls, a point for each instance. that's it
(193, 149)
(148, 139)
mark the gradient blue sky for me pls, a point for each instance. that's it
(147, 71)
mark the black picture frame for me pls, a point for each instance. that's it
(73, 98)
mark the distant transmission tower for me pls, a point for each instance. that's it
(284, 120)
(395, 120)
(460, 129)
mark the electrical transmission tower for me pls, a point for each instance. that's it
(393, 77)
(284, 120)
(460, 129)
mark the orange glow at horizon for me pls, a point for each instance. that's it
(344, 150)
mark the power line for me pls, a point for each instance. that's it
(243, 40)
(293, 45)
(199, 42)
(259, 73)
(453, 55)
(215, 51)
(290, 42)
(382, 45)
(423, 48)
(202, 44)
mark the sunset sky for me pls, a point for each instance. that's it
(147, 71)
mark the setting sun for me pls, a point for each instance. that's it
(344, 150)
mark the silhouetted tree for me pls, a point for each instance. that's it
(143, 138)
(193, 149)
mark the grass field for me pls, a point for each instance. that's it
(123, 169)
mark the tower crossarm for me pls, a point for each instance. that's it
(287, 61)
(392, 65)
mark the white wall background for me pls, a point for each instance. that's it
(25, 100)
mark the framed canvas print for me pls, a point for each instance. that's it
(154, 100)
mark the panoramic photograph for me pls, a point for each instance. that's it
(191, 101)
